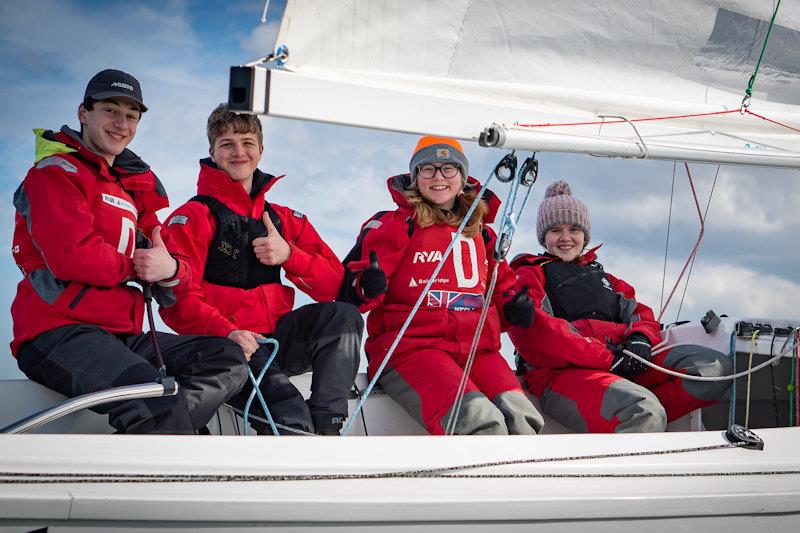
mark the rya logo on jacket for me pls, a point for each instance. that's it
(427, 257)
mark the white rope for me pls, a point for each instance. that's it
(699, 378)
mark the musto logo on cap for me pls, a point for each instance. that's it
(442, 153)
(122, 85)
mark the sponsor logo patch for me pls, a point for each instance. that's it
(455, 301)
(412, 283)
(427, 257)
(373, 224)
(443, 153)
(121, 203)
(228, 249)
(178, 219)
(55, 161)
(298, 214)
(607, 284)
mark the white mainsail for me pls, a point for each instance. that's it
(457, 67)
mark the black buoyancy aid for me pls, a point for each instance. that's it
(231, 260)
(580, 291)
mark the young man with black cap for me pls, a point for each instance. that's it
(241, 244)
(86, 226)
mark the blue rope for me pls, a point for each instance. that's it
(416, 307)
(732, 406)
(507, 227)
(257, 392)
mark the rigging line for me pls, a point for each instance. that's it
(696, 246)
(256, 382)
(263, 18)
(462, 385)
(235, 410)
(51, 477)
(749, 91)
(692, 377)
(508, 226)
(732, 400)
(691, 267)
(797, 377)
(669, 227)
(772, 377)
(643, 119)
(416, 307)
(749, 380)
(762, 117)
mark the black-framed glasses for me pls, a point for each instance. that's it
(428, 171)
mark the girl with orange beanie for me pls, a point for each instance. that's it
(393, 259)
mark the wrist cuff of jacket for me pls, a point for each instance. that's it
(173, 279)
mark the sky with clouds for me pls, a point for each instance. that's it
(181, 51)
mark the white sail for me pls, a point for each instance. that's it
(457, 67)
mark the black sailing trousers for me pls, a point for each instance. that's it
(322, 337)
(79, 359)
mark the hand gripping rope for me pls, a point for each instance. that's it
(504, 171)
(256, 381)
(662, 347)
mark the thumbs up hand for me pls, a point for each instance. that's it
(154, 263)
(271, 249)
(372, 280)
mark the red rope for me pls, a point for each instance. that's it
(696, 246)
(666, 117)
(770, 120)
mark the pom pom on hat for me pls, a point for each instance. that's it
(560, 207)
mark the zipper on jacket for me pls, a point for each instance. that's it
(78, 297)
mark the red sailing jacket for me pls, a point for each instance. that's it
(408, 254)
(552, 343)
(75, 232)
(213, 309)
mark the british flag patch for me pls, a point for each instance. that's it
(455, 301)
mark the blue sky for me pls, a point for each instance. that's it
(181, 52)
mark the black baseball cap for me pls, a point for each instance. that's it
(112, 83)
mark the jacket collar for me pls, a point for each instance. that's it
(133, 174)
(215, 182)
(587, 257)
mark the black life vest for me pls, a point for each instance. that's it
(231, 260)
(580, 291)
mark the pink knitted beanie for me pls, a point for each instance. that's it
(560, 207)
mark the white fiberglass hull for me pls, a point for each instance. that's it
(720, 489)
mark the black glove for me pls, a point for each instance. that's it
(519, 309)
(640, 345)
(626, 366)
(372, 280)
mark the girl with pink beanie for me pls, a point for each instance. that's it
(572, 351)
